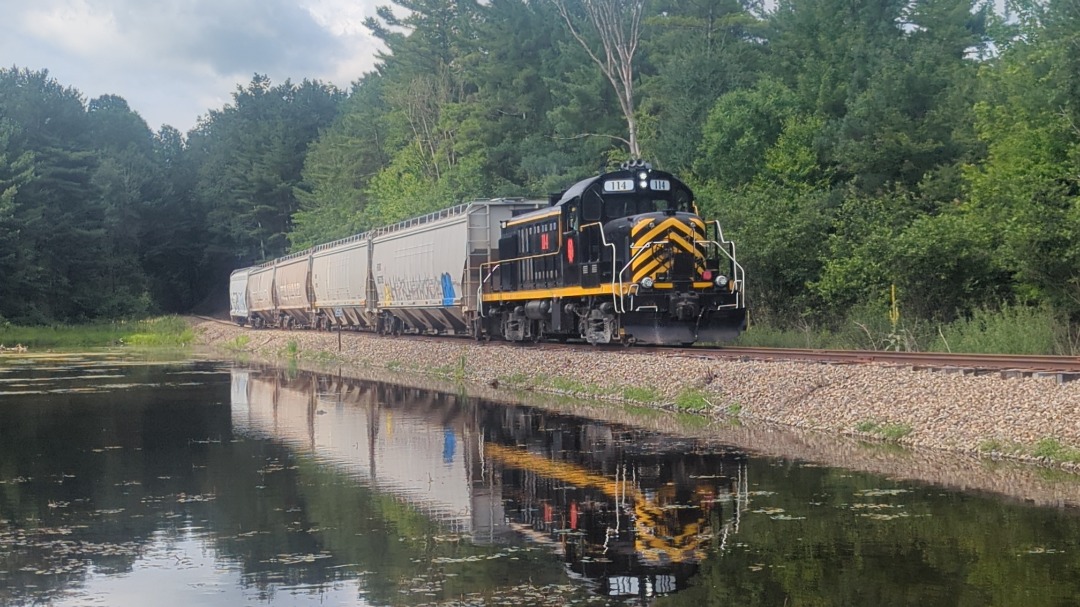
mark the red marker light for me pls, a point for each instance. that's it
(706, 275)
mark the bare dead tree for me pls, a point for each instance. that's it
(618, 24)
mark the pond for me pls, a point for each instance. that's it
(131, 482)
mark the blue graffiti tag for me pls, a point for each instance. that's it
(447, 289)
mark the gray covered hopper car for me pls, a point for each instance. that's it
(421, 275)
(340, 283)
(238, 307)
(294, 301)
(260, 296)
(427, 270)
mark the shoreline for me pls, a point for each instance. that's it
(965, 424)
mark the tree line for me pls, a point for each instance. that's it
(847, 147)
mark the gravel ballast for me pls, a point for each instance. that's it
(1031, 419)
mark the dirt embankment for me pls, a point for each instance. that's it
(958, 426)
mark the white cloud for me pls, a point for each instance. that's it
(72, 26)
(173, 60)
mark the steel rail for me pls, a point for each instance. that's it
(999, 362)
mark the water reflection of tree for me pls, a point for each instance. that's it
(86, 473)
(837, 538)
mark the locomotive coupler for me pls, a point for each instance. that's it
(684, 306)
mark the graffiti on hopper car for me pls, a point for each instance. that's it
(419, 288)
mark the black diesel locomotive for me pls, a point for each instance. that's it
(622, 257)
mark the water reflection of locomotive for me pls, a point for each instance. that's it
(634, 518)
(620, 257)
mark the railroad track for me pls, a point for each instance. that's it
(965, 363)
(936, 360)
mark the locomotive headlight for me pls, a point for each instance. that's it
(721, 281)
(647, 282)
(643, 176)
(643, 184)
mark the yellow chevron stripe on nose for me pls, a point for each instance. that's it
(651, 269)
(641, 232)
(674, 241)
(652, 242)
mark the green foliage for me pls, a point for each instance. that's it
(779, 233)
(1011, 329)
(168, 331)
(941, 264)
(1052, 449)
(740, 129)
(338, 167)
(1028, 188)
(641, 394)
(1049, 448)
(692, 399)
(249, 157)
(717, 38)
(292, 349)
(1000, 446)
(238, 344)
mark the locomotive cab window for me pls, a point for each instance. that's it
(573, 218)
(619, 206)
(591, 206)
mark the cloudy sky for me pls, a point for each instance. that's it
(173, 60)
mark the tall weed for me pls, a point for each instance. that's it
(1012, 329)
(166, 331)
